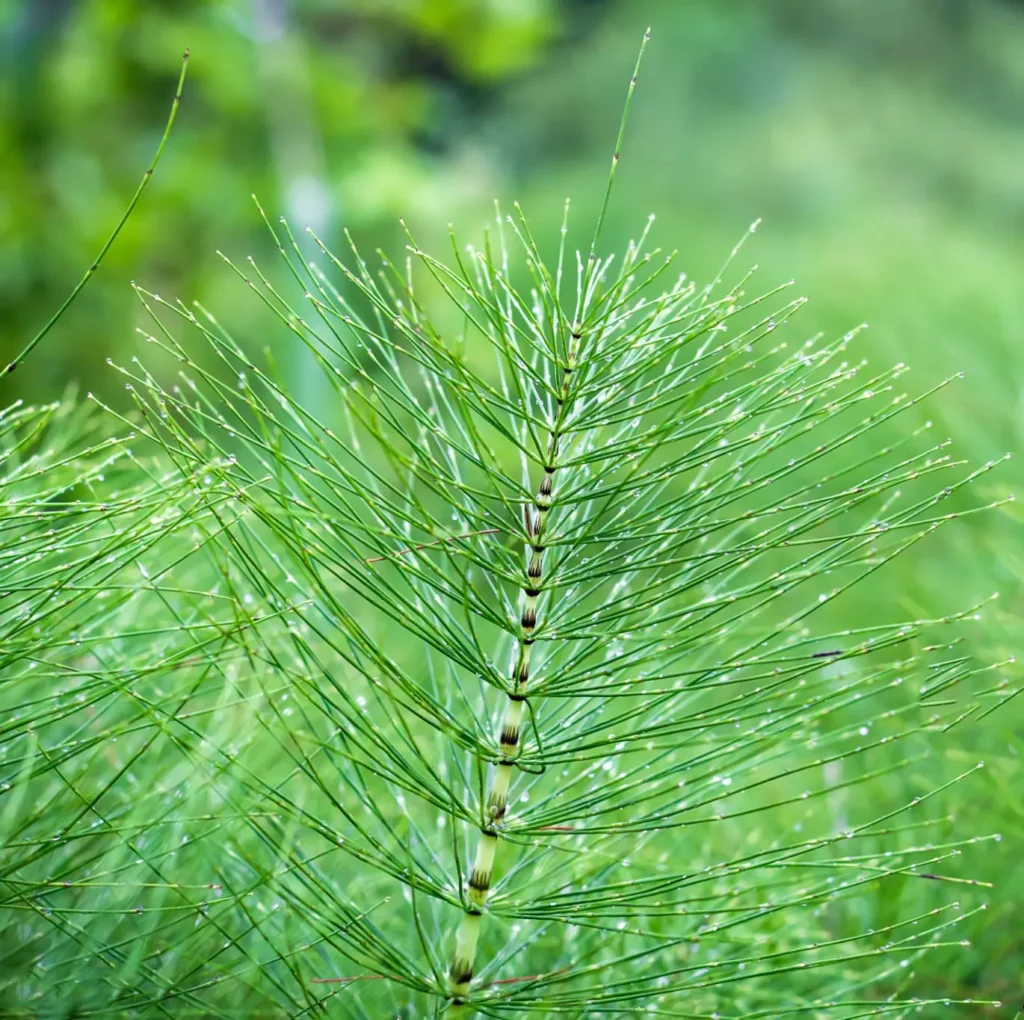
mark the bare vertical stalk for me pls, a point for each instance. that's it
(95, 264)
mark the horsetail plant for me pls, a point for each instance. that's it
(549, 670)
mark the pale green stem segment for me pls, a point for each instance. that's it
(618, 147)
(481, 878)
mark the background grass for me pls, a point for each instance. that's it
(880, 141)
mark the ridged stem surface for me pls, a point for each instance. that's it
(481, 877)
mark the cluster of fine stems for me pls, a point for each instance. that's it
(547, 669)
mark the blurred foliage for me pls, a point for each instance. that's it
(880, 139)
(332, 112)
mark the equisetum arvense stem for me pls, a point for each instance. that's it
(482, 876)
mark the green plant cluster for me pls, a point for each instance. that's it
(587, 646)
(513, 687)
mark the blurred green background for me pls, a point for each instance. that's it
(881, 140)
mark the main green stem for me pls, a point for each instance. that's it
(482, 876)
